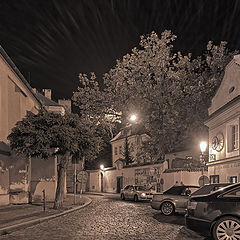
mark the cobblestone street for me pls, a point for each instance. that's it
(109, 218)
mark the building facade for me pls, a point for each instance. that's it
(131, 137)
(16, 98)
(223, 124)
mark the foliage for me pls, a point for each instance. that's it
(48, 134)
(127, 152)
(169, 92)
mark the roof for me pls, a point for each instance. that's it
(46, 101)
(18, 73)
(129, 131)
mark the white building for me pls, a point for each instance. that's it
(223, 123)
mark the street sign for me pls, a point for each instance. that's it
(203, 180)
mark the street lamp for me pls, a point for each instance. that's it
(102, 167)
(133, 118)
(203, 147)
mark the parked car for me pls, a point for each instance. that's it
(216, 214)
(208, 188)
(136, 193)
(173, 200)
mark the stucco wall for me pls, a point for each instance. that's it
(225, 170)
(185, 177)
(43, 172)
(15, 100)
(4, 180)
(145, 175)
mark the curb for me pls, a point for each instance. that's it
(9, 229)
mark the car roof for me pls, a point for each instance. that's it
(229, 187)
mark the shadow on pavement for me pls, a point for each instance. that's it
(174, 219)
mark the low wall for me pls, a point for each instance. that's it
(4, 185)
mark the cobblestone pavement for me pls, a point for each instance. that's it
(108, 219)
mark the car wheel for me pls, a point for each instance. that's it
(135, 199)
(122, 196)
(167, 208)
(226, 228)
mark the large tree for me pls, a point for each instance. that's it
(46, 134)
(168, 91)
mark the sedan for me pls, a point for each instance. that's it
(174, 200)
(136, 193)
(216, 214)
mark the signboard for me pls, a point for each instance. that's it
(82, 176)
(203, 180)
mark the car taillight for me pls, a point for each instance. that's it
(191, 204)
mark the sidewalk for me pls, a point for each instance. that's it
(13, 217)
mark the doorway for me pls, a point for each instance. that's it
(119, 184)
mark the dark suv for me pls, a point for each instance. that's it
(216, 214)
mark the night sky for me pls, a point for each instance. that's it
(51, 42)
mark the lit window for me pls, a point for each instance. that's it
(233, 179)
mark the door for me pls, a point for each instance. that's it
(119, 184)
(101, 182)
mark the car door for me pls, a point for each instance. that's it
(131, 192)
(126, 191)
(181, 202)
(229, 202)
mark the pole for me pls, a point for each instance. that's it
(83, 161)
(44, 200)
(75, 176)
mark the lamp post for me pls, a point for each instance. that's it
(203, 147)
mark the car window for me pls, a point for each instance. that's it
(235, 193)
(131, 188)
(175, 190)
(193, 189)
(203, 190)
(127, 187)
(141, 188)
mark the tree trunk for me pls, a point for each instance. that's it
(59, 197)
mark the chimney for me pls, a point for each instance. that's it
(47, 93)
(66, 104)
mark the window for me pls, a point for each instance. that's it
(214, 179)
(115, 150)
(235, 193)
(233, 179)
(120, 150)
(233, 138)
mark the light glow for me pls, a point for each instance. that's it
(133, 118)
(203, 146)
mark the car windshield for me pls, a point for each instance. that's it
(175, 190)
